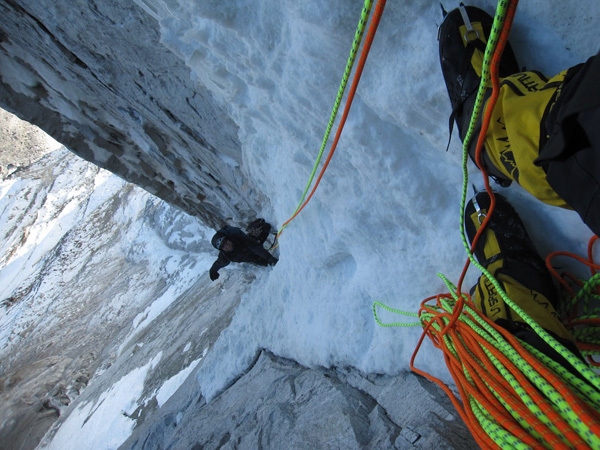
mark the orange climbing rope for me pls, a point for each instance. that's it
(589, 262)
(481, 370)
(581, 318)
(378, 12)
(512, 396)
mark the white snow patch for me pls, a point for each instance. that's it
(106, 423)
(170, 386)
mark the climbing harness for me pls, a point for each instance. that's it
(511, 394)
(363, 57)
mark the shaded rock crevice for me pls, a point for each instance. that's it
(107, 89)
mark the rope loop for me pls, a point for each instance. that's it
(394, 311)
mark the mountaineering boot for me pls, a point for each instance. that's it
(506, 251)
(505, 247)
(462, 39)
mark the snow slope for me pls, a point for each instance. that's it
(87, 263)
(382, 224)
(385, 219)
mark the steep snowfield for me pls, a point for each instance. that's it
(385, 218)
(382, 224)
(87, 263)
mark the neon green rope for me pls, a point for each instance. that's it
(395, 311)
(587, 391)
(362, 23)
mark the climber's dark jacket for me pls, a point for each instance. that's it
(245, 249)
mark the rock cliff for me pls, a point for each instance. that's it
(94, 76)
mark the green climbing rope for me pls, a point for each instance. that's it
(394, 311)
(358, 35)
(468, 339)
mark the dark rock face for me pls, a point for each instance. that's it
(95, 77)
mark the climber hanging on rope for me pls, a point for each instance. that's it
(236, 246)
(545, 135)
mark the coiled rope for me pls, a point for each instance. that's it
(357, 75)
(580, 308)
(512, 395)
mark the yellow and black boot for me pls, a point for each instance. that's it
(462, 39)
(507, 252)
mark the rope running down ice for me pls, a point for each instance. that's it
(363, 57)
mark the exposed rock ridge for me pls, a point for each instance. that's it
(130, 109)
(278, 403)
